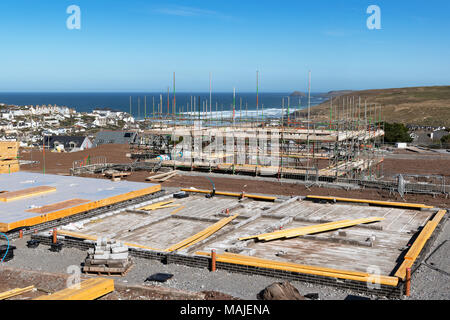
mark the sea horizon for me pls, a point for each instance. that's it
(142, 102)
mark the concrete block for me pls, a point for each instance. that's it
(101, 256)
(122, 255)
(119, 249)
(96, 261)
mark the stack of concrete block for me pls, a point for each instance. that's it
(108, 254)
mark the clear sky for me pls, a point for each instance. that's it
(136, 45)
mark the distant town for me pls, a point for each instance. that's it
(30, 124)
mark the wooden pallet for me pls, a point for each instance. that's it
(105, 271)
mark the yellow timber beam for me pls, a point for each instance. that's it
(419, 243)
(159, 205)
(291, 233)
(87, 290)
(333, 273)
(205, 233)
(177, 210)
(14, 292)
(233, 194)
(374, 202)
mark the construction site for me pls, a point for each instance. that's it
(116, 222)
(290, 146)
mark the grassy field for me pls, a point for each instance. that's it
(428, 106)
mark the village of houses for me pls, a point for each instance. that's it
(60, 128)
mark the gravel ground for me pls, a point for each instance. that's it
(427, 283)
(430, 284)
(185, 278)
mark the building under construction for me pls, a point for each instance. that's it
(286, 147)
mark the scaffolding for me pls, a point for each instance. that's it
(345, 145)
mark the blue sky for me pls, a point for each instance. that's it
(136, 45)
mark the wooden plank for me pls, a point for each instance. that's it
(58, 206)
(177, 210)
(15, 292)
(201, 235)
(283, 231)
(216, 228)
(290, 233)
(161, 175)
(401, 272)
(173, 174)
(419, 243)
(375, 202)
(87, 290)
(334, 273)
(317, 229)
(25, 193)
(289, 264)
(438, 216)
(158, 205)
(5, 227)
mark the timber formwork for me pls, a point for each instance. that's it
(391, 286)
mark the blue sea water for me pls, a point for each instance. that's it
(221, 102)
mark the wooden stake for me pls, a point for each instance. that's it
(408, 282)
(213, 260)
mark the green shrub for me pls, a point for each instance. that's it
(396, 132)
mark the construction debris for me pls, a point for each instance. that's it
(281, 291)
(32, 244)
(56, 247)
(6, 252)
(180, 195)
(159, 277)
(108, 257)
(162, 176)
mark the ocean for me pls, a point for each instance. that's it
(120, 101)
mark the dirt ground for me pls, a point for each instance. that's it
(60, 163)
(46, 283)
(392, 167)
